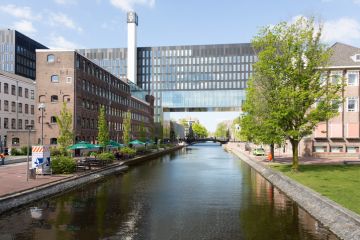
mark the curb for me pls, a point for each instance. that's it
(339, 220)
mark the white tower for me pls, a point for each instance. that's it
(132, 20)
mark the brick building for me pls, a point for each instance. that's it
(67, 76)
(341, 134)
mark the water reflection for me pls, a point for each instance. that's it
(198, 193)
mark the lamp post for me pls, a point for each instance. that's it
(28, 127)
(41, 107)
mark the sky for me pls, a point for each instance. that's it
(102, 23)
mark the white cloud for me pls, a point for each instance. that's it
(127, 5)
(61, 19)
(25, 27)
(342, 30)
(66, 2)
(20, 12)
(59, 42)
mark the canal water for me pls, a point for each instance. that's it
(201, 192)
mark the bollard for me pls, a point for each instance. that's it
(32, 173)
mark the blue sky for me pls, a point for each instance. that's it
(102, 23)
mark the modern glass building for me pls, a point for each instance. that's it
(186, 78)
(17, 53)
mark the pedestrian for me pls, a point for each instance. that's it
(2, 156)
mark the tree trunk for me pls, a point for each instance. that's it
(295, 151)
(272, 151)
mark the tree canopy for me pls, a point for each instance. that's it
(199, 130)
(103, 130)
(286, 98)
(64, 122)
(127, 127)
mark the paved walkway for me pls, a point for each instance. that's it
(13, 179)
(287, 158)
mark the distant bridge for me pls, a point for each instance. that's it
(199, 140)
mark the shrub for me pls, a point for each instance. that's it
(92, 154)
(58, 152)
(106, 156)
(24, 150)
(15, 152)
(127, 151)
(142, 150)
(63, 165)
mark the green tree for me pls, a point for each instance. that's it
(289, 98)
(103, 130)
(199, 130)
(221, 130)
(142, 133)
(64, 121)
(127, 127)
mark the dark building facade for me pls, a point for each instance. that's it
(186, 78)
(17, 53)
(67, 76)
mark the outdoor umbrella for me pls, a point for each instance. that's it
(134, 142)
(82, 145)
(115, 144)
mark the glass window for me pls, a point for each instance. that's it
(6, 123)
(54, 98)
(55, 78)
(335, 77)
(26, 93)
(32, 95)
(6, 88)
(20, 124)
(26, 108)
(353, 78)
(13, 123)
(53, 141)
(50, 58)
(20, 91)
(15, 141)
(53, 119)
(20, 107)
(352, 104)
(13, 106)
(32, 110)
(13, 90)
(6, 105)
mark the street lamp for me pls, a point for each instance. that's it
(41, 107)
(28, 127)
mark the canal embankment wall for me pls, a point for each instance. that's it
(20, 198)
(341, 221)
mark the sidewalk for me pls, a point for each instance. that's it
(13, 179)
(287, 159)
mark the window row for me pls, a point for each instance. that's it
(351, 78)
(20, 107)
(15, 141)
(20, 91)
(10, 123)
(54, 98)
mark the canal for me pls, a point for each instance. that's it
(201, 192)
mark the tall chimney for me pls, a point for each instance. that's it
(132, 21)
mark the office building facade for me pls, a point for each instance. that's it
(17, 109)
(186, 78)
(67, 76)
(17, 53)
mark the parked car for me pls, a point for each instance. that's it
(259, 152)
